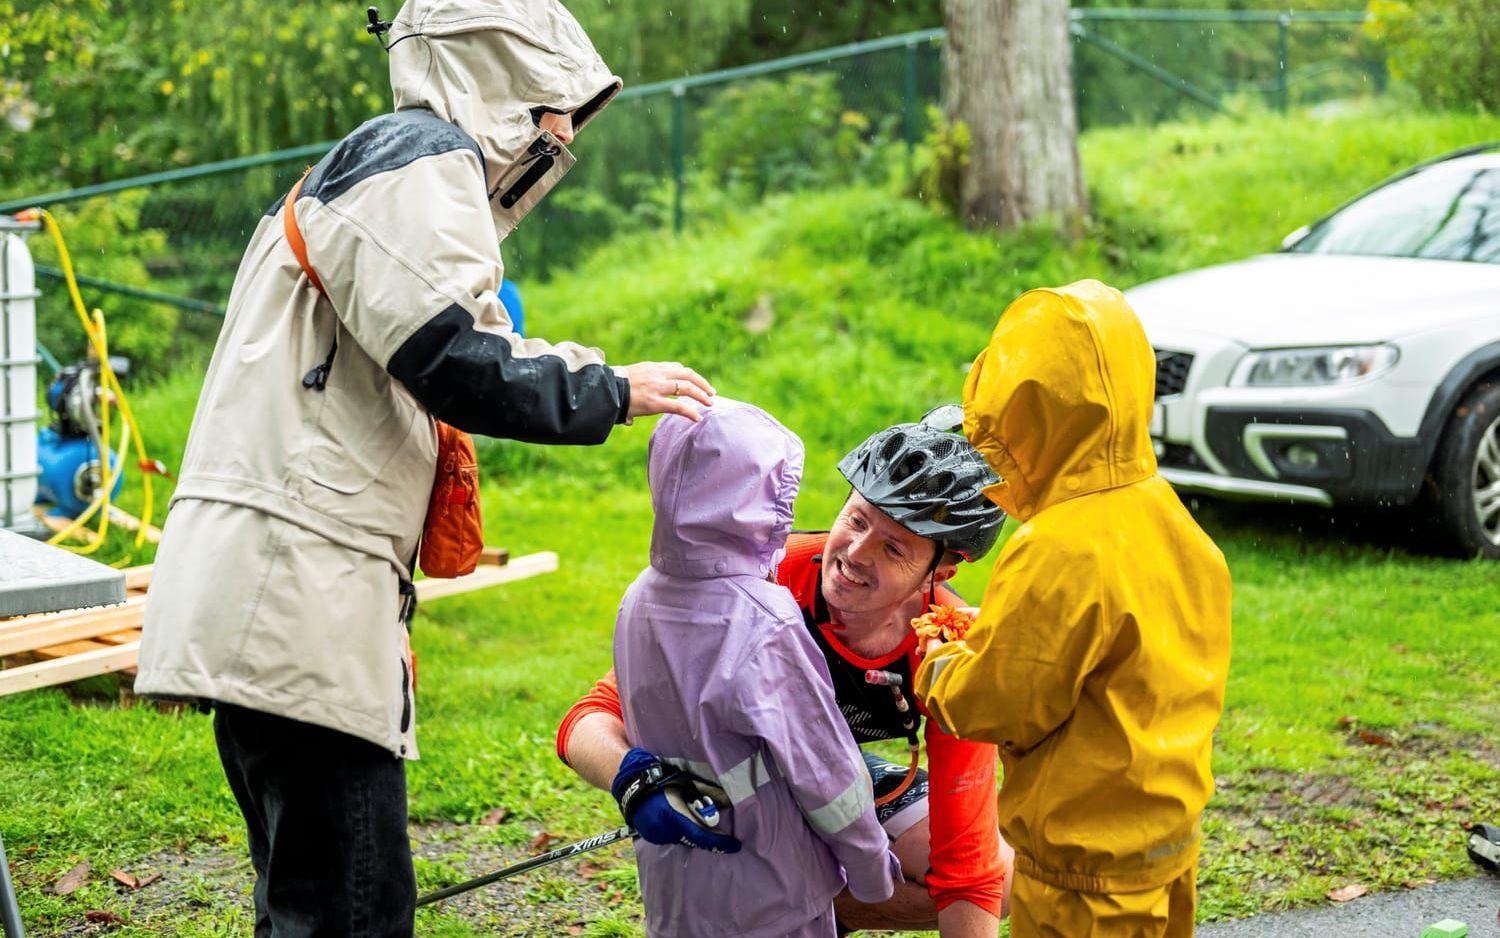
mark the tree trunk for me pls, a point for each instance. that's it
(1009, 78)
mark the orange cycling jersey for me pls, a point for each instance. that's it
(964, 851)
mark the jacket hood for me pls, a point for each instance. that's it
(723, 490)
(1060, 401)
(486, 65)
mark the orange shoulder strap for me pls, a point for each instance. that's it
(294, 234)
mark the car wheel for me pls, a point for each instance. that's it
(1463, 484)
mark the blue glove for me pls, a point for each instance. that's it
(666, 806)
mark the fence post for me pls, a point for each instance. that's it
(1283, 51)
(910, 117)
(679, 147)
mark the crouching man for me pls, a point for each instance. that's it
(916, 510)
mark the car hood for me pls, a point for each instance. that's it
(1280, 300)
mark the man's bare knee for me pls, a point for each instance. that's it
(910, 907)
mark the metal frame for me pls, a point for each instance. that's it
(1135, 60)
(10, 912)
(10, 360)
(139, 293)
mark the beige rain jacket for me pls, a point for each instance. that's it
(280, 577)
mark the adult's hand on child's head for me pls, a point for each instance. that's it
(667, 388)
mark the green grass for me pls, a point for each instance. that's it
(877, 303)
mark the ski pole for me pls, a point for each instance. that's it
(545, 859)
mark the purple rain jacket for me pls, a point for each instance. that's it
(718, 676)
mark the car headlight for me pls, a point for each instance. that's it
(1308, 367)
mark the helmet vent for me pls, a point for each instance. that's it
(929, 481)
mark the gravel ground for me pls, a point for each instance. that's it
(214, 880)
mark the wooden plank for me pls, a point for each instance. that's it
(67, 615)
(519, 568)
(116, 642)
(494, 556)
(68, 648)
(33, 632)
(73, 668)
(117, 516)
(138, 578)
(130, 522)
(57, 524)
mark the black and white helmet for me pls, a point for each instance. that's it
(930, 481)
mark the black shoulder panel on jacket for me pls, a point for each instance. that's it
(474, 381)
(380, 145)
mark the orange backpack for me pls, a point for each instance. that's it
(453, 533)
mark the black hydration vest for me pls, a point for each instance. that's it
(869, 709)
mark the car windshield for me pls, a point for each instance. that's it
(1449, 211)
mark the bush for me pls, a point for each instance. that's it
(940, 161)
(1448, 49)
(792, 133)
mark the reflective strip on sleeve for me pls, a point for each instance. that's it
(845, 809)
(741, 781)
(701, 769)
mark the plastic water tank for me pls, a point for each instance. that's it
(18, 393)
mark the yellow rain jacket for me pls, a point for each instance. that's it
(1099, 658)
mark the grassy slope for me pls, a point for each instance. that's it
(877, 303)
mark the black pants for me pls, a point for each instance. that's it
(326, 813)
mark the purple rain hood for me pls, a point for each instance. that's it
(718, 675)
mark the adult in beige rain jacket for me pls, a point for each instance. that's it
(279, 582)
(1100, 655)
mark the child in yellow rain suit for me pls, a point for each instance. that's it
(1099, 658)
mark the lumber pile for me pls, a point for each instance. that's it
(60, 647)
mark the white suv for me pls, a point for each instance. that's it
(1360, 365)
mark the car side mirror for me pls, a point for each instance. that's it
(1293, 238)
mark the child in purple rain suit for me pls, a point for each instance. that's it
(720, 678)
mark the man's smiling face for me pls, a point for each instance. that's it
(870, 562)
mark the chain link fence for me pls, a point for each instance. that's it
(166, 246)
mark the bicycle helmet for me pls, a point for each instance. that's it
(930, 481)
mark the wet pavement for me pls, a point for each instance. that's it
(1403, 914)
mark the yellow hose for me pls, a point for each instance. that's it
(109, 386)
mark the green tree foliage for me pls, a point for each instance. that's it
(644, 40)
(92, 90)
(785, 27)
(784, 133)
(1448, 49)
(118, 87)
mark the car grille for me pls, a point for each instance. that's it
(1179, 456)
(1171, 372)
